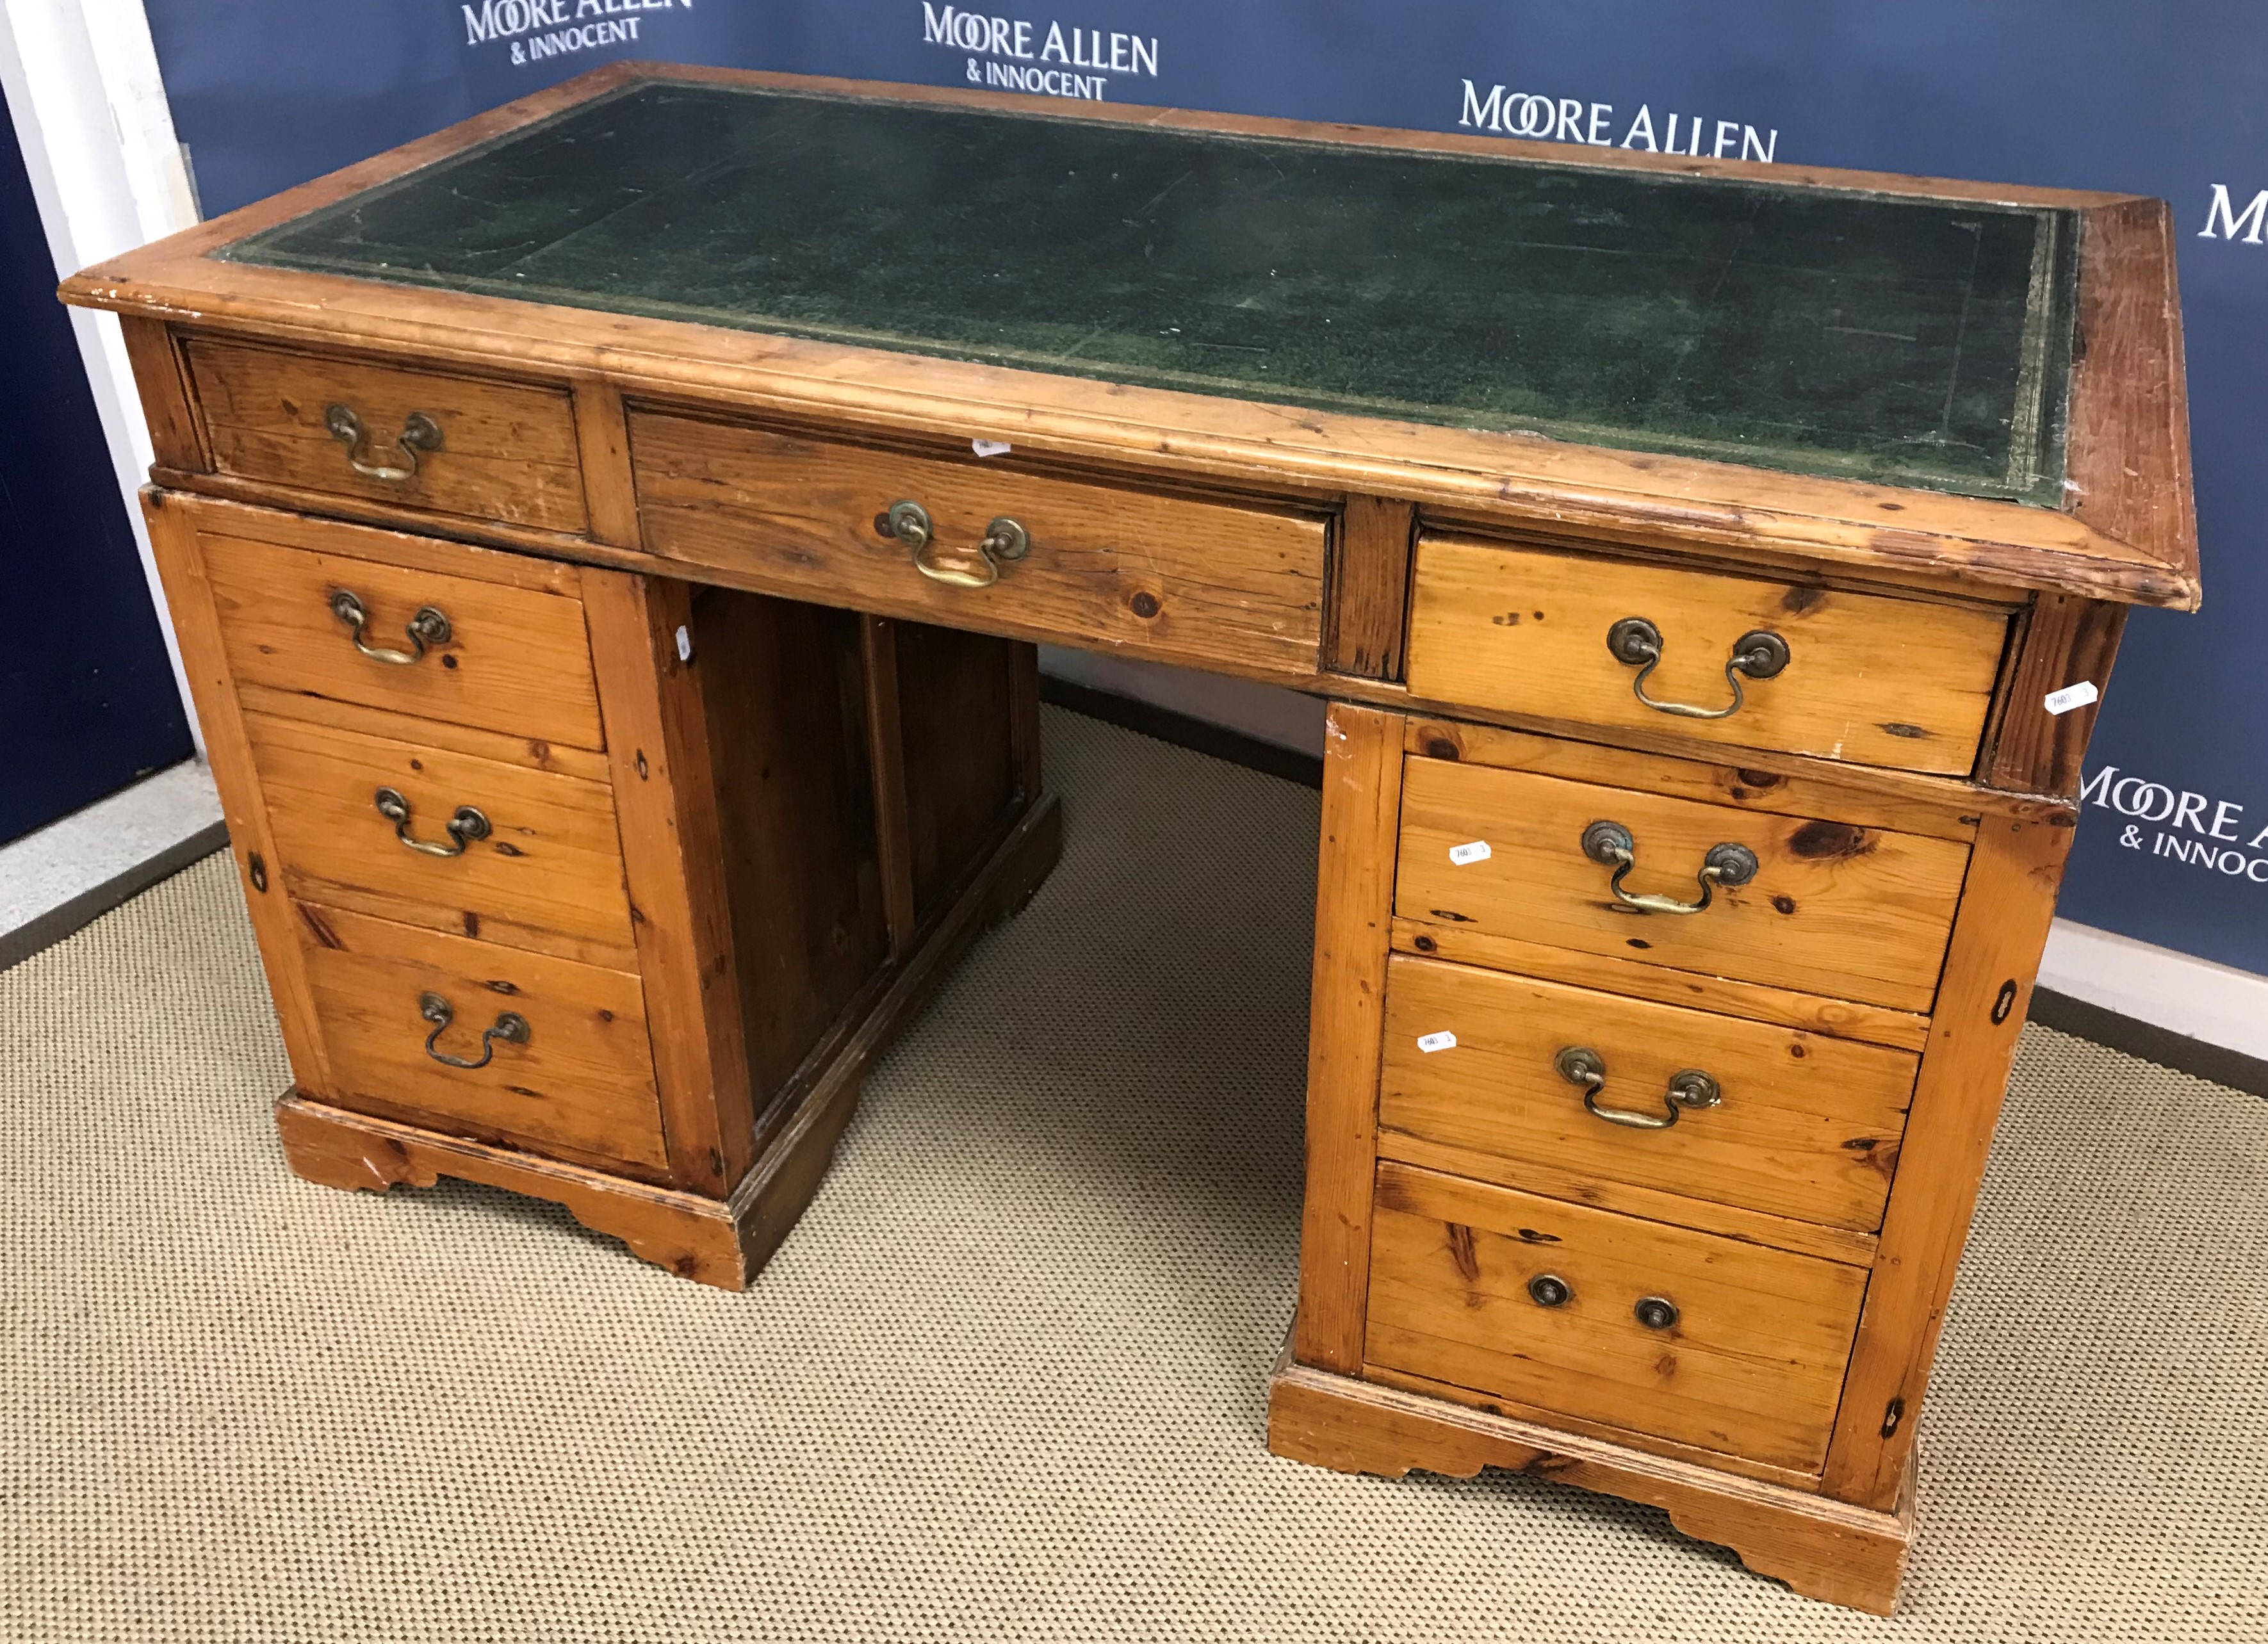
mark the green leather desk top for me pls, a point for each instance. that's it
(1871, 336)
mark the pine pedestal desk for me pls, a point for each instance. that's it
(609, 542)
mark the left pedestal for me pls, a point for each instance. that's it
(594, 886)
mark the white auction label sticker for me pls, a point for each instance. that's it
(989, 447)
(1430, 1042)
(2073, 697)
(1464, 855)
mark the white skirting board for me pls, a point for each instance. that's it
(2193, 997)
(73, 870)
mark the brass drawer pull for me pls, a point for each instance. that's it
(1689, 1088)
(1656, 1312)
(1637, 643)
(1611, 844)
(1549, 1290)
(511, 1027)
(1004, 539)
(466, 826)
(419, 433)
(429, 627)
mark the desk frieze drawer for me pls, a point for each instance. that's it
(450, 841)
(1871, 678)
(483, 1041)
(1496, 1072)
(980, 545)
(1684, 1335)
(1813, 904)
(416, 439)
(408, 638)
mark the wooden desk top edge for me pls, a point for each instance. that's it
(2129, 536)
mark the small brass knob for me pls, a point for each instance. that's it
(1549, 1290)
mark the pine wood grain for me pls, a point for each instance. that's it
(1806, 1127)
(602, 445)
(2066, 641)
(497, 746)
(583, 1081)
(1166, 577)
(508, 451)
(1822, 1548)
(1988, 972)
(1370, 587)
(1781, 785)
(1652, 1444)
(176, 438)
(516, 661)
(1678, 1209)
(1835, 909)
(2127, 451)
(1635, 979)
(325, 524)
(1875, 681)
(548, 877)
(1354, 895)
(693, 1237)
(673, 856)
(1753, 1367)
(1508, 478)
(174, 540)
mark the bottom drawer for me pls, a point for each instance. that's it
(1686, 1336)
(577, 1081)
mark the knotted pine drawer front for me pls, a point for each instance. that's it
(407, 439)
(977, 545)
(1697, 1339)
(1813, 904)
(1508, 1072)
(1870, 678)
(446, 840)
(483, 1041)
(410, 639)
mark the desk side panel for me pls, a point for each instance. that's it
(1354, 910)
(196, 624)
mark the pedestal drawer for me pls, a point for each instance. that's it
(573, 1079)
(1508, 1071)
(986, 546)
(1826, 907)
(426, 836)
(1658, 1329)
(463, 648)
(407, 438)
(1868, 677)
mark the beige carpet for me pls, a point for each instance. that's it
(1006, 1380)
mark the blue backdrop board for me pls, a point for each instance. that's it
(2173, 848)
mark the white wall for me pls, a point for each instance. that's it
(82, 84)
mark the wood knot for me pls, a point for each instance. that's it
(1829, 841)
